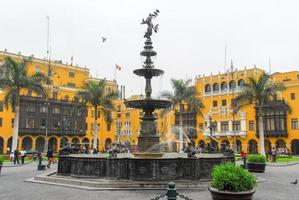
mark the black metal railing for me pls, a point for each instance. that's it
(171, 193)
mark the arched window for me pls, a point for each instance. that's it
(66, 98)
(232, 85)
(223, 86)
(241, 83)
(215, 87)
(208, 88)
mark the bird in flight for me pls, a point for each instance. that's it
(294, 182)
(103, 39)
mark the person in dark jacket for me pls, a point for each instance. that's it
(50, 157)
(16, 156)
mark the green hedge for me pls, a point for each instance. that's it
(255, 158)
(1, 160)
(228, 177)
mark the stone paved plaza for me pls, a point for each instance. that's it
(275, 185)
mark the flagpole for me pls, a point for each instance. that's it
(115, 73)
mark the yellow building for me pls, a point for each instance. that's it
(66, 81)
(217, 93)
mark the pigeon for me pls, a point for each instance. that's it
(103, 39)
(294, 182)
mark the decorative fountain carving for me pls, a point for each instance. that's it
(148, 138)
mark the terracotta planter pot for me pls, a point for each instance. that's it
(227, 195)
(256, 167)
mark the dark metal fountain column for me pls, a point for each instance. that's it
(148, 139)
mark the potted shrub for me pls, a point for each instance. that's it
(256, 163)
(1, 162)
(231, 182)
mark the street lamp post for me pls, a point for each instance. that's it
(47, 122)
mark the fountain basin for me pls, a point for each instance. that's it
(148, 103)
(128, 167)
(148, 72)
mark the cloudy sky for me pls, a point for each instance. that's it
(191, 40)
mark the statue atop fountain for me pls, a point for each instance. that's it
(148, 138)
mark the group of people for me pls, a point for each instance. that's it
(14, 156)
(274, 152)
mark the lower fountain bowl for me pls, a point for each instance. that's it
(131, 167)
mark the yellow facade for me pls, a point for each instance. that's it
(66, 81)
(218, 105)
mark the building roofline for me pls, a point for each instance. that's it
(5, 53)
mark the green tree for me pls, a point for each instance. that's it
(14, 78)
(259, 92)
(95, 95)
(183, 93)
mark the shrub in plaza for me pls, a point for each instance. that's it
(1, 162)
(256, 163)
(231, 182)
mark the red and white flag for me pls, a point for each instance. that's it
(117, 67)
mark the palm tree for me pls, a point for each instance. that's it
(259, 92)
(95, 95)
(15, 79)
(183, 93)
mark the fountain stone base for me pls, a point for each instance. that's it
(128, 167)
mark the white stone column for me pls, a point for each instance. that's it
(230, 125)
(218, 126)
(243, 121)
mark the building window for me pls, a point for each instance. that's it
(42, 123)
(49, 72)
(71, 85)
(43, 109)
(270, 124)
(127, 115)
(108, 126)
(30, 108)
(208, 88)
(1, 106)
(224, 126)
(200, 126)
(294, 123)
(1, 121)
(56, 110)
(251, 125)
(29, 122)
(55, 95)
(223, 102)
(118, 115)
(12, 122)
(37, 69)
(79, 112)
(293, 96)
(99, 113)
(118, 108)
(71, 74)
(236, 126)
(215, 103)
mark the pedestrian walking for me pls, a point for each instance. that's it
(11, 156)
(274, 153)
(50, 157)
(243, 157)
(23, 155)
(16, 157)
